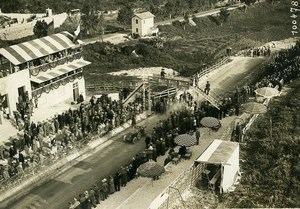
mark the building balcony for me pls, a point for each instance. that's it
(35, 70)
(4, 73)
(46, 87)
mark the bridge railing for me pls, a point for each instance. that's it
(209, 69)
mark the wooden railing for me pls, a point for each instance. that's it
(34, 71)
(211, 98)
(207, 70)
(112, 87)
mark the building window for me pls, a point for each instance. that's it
(144, 21)
(75, 85)
(136, 21)
(136, 30)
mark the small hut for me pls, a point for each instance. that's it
(220, 164)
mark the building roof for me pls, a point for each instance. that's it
(58, 71)
(34, 49)
(218, 152)
(144, 15)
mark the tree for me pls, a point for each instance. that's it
(223, 16)
(248, 2)
(93, 22)
(125, 14)
(170, 8)
(10, 5)
(40, 29)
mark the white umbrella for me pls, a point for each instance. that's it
(267, 92)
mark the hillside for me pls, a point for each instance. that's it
(187, 48)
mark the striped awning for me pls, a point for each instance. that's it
(58, 71)
(37, 48)
(218, 152)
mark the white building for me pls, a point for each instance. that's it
(47, 70)
(143, 24)
(223, 156)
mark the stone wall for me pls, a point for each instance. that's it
(20, 30)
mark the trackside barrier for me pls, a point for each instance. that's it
(17, 185)
(253, 118)
(213, 67)
(174, 190)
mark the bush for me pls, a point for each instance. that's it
(136, 36)
(142, 49)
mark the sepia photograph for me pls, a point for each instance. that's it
(149, 104)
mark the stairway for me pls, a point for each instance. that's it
(212, 98)
(130, 96)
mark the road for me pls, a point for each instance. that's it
(104, 161)
(199, 14)
(117, 38)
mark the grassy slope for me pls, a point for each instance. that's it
(200, 45)
(271, 167)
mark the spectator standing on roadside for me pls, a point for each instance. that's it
(117, 181)
(124, 177)
(92, 197)
(239, 132)
(83, 202)
(198, 135)
(97, 193)
(111, 185)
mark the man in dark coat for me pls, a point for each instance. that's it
(198, 135)
(167, 160)
(12, 152)
(105, 188)
(117, 181)
(21, 157)
(207, 88)
(124, 177)
(182, 151)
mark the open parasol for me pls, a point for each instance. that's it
(267, 92)
(150, 169)
(185, 140)
(254, 108)
(210, 122)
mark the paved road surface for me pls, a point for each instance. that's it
(105, 161)
(59, 190)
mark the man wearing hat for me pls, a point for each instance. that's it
(124, 177)
(12, 151)
(93, 197)
(105, 188)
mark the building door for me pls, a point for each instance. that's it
(5, 102)
(75, 91)
(21, 92)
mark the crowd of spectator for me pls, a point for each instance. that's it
(53, 138)
(284, 69)
(257, 51)
(157, 142)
